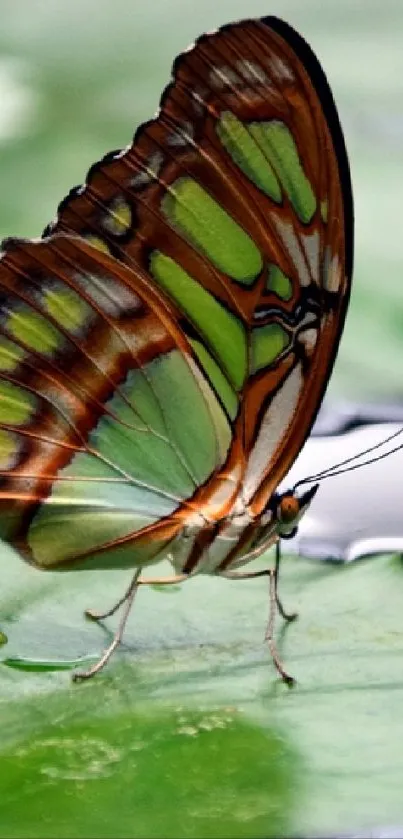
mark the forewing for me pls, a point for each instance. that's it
(236, 201)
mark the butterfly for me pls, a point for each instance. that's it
(165, 347)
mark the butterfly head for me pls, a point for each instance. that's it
(289, 507)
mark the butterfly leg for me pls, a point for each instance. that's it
(100, 616)
(273, 576)
(158, 581)
(269, 636)
(288, 616)
(128, 599)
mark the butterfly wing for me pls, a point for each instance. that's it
(107, 424)
(138, 397)
(236, 202)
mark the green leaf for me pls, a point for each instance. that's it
(188, 732)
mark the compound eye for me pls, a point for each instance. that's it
(288, 509)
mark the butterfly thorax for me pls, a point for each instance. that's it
(214, 546)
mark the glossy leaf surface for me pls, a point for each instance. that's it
(188, 732)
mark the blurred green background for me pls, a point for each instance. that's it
(188, 734)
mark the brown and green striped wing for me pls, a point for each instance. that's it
(107, 423)
(160, 371)
(236, 202)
